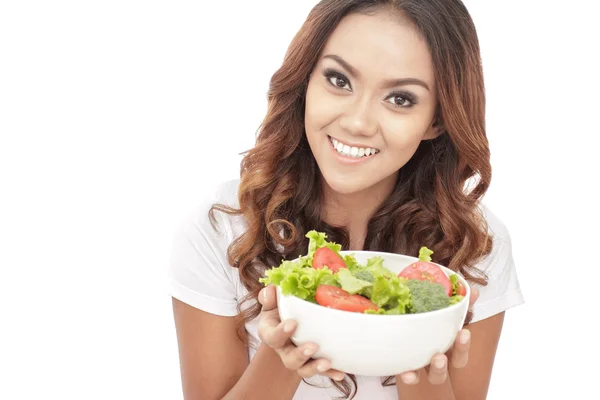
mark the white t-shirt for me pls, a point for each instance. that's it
(201, 276)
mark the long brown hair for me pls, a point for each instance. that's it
(435, 200)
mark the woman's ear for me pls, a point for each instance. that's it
(437, 125)
(435, 129)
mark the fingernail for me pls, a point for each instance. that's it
(464, 337)
(288, 326)
(409, 378)
(309, 351)
(440, 363)
(322, 368)
(263, 294)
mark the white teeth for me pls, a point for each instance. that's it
(356, 152)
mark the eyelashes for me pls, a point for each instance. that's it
(339, 78)
(400, 98)
(404, 97)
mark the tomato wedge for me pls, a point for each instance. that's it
(334, 297)
(461, 290)
(324, 256)
(425, 270)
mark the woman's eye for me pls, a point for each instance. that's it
(401, 100)
(339, 81)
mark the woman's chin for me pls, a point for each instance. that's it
(345, 185)
(352, 184)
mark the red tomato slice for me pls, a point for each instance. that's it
(461, 290)
(339, 299)
(426, 271)
(326, 257)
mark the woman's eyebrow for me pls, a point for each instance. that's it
(387, 83)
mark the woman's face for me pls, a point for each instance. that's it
(370, 102)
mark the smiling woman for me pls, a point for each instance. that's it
(375, 125)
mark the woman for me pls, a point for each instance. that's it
(375, 134)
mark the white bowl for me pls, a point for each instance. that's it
(375, 345)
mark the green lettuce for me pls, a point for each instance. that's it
(316, 241)
(298, 280)
(454, 281)
(351, 283)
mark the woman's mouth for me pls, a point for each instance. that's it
(352, 151)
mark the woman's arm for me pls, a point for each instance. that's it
(214, 361)
(266, 378)
(470, 382)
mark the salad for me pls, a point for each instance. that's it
(327, 278)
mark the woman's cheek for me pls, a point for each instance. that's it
(403, 134)
(321, 108)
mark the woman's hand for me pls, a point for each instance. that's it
(437, 371)
(276, 334)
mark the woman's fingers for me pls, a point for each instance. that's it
(320, 367)
(438, 369)
(273, 334)
(410, 378)
(268, 298)
(460, 351)
(295, 357)
(277, 334)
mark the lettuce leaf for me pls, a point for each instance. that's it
(298, 280)
(391, 293)
(455, 299)
(454, 281)
(316, 241)
(351, 283)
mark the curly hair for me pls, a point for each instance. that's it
(437, 193)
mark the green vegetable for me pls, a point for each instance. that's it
(298, 280)
(351, 283)
(316, 241)
(427, 296)
(392, 294)
(425, 254)
(364, 275)
(454, 281)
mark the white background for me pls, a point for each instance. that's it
(114, 115)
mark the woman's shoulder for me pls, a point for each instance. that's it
(495, 225)
(503, 290)
(500, 236)
(206, 218)
(200, 273)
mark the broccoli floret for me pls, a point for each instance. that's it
(427, 296)
(365, 276)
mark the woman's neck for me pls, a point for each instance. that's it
(354, 211)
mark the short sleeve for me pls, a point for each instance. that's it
(199, 273)
(503, 290)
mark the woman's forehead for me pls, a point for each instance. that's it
(384, 45)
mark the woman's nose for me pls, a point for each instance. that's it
(357, 119)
